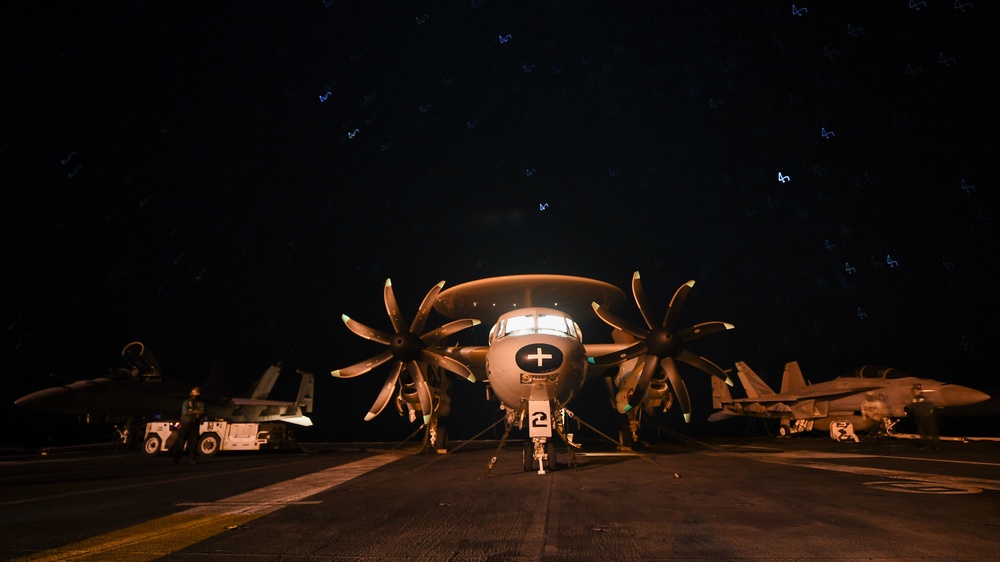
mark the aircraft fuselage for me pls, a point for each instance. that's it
(535, 354)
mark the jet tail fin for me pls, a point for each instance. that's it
(306, 388)
(218, 383)
(262, 388)
(720, 394)
(752, 384)
(722, 400)
(792, 380)
(264, 409)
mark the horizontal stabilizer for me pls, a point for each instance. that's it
(298, 420)
(722, 415)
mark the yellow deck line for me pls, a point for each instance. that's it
(159, 537)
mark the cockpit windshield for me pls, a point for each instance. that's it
(555, 325)
(537, 322)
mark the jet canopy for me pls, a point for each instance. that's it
(875, 372)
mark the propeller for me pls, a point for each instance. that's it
(408, 348)
(661, 345)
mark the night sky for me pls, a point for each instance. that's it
(223, 180)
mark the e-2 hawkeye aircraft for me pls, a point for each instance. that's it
(802, 407)
(535, 360)
(130, 397)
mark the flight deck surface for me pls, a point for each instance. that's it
(751, 499)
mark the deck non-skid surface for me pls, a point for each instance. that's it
(807, 498)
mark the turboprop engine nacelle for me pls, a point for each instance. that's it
(658, 396)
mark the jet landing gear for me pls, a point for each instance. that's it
(436, 437)
(539, 454)
(792, 427)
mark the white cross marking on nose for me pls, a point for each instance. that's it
(540, 356)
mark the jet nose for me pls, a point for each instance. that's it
(956, 395)
(50, 399)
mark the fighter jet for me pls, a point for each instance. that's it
(140, 393)
(802, 407)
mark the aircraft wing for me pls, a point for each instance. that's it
(261, 402)
(769, 399)
(474, 357)
(603, 349)
(828, 393)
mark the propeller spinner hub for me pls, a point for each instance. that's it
(406, 346)
(663, 343)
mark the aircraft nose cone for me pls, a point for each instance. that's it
(956, 395)
(50, 399)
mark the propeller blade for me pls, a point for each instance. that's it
(615, 321)
(700, 362)
(392, 307)
(425, 308)
(447, 363)
(431, 338)
(676, 303)
(386, 393)
(423, 391)
(680, 389)
(635, 350)
(648, 370)
(641, 301)
(364, 366)
(366, 332)
(409, 349)
(702, 330)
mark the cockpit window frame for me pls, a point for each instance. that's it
(542, 322)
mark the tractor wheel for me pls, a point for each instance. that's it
(152, 445)
(208, 445)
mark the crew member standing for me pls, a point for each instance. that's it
(192, 411)
(922, 409)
